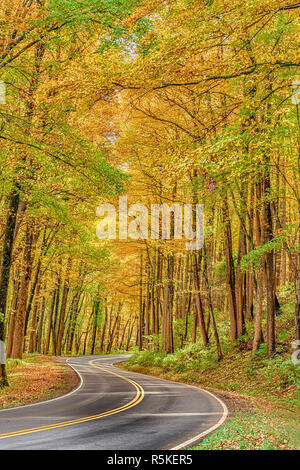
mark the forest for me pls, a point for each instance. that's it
(165, 102)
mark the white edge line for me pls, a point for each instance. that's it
(207, 431)
(60, 397)
(51, 399)
(179, 446)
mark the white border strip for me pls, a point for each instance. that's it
(208, 431)
(179, 446)
(198, 437)
(67, 394)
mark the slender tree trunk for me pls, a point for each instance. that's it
(129, 337)
(35, 282)
(96, 324)
(74, 314)
(167, 331)
(195, 324)
(104, 325)
(17, 347)
(258, 311)
(5, 268)
(240, 285)
(55, 317)
(13, 309)
(123, 335)
(63, 307)
(50, 319)
(112, 332)
(230, 273)
(198, 301)
(210, 305)
(269, 264)
(32, 334)
(141, 309)
(39, 336)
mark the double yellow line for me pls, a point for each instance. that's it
(135, 401)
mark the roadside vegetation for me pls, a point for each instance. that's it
(259, 430)
(263, 394)
(36, 378)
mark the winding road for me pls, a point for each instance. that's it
(112, 409)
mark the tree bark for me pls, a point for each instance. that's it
(198, 301)
(63, 307)
(230, 273)
(210, 305)
(5, 267)
(19, 330)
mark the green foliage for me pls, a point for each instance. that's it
(191, 357)
(261, 351)
(255, 431)
(254, 257)
(283, 335)
(286, 292)
(146, 358)
(284, 372)
(12, 363)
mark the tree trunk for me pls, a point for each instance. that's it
(104, 324)
(63, 307)
(47, 346)
(198, 301)
(258, 311)
(230, 273)
(18, 339)
(5, 268)
(32, 334)
(269, 264)
(210, 305)
(240, 285)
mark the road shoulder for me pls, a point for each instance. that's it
(252, 423)
(36, 378)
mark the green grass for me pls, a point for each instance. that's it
(255, 431)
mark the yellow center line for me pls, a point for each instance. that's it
(135, 401)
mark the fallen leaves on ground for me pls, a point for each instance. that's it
(36, 378)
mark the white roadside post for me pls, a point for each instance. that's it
(2, 92)
(296, 92)
(2, 352)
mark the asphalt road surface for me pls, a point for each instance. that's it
(112, 409)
